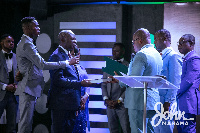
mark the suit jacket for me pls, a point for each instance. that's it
(31, 64)
(147, 62)
(65, 90)
(188, 94)
(4, 74)
(172, 69)
(112, 90)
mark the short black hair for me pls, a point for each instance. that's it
(190, 38)
(4, 36)
(27, 20)
(121, 45)
(165, 33)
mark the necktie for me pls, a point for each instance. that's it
(161, 54)
(8, 55)
(76, 71)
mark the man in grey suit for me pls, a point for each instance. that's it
(8, 85)
(147, 62)
(114, 96)
(172, 69)
(30, 65)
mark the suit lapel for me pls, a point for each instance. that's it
(4, 61)
(66, 57)
(14, 63)
(166, 53)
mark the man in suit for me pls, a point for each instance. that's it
(30, 65)
(113, 96)
(65, 92)
(188, 95)
(147, 62)
(8, 85)
(172, 68)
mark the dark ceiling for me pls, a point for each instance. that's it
(86, 1)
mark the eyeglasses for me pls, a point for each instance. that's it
(182, 42)
(134, 41)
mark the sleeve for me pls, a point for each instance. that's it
(104, 87)
(174, 72)
(60, 80)
(192, 73)
(138, 65)
(33, 55)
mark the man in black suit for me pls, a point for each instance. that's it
(8, 65)
(65, 92)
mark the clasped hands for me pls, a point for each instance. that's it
(114, 80)
(11, 87)
(112, 104)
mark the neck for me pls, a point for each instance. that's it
(7, 50)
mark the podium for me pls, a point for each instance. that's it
(145, 82)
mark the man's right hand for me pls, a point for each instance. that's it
(85, 83)
(11, 88)
(74, 60)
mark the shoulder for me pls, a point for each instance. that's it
(28, 46)
(55, 55)
(126, 63)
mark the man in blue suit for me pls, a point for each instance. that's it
(147, 62)
(172, 68)
(8, 85)
(188, 95)
(65, 92)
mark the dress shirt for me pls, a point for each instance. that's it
(9, 63)
(165, 50)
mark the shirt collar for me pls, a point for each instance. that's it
(187, 54)
(6, 52)
(165, 50)
(63, 49)
(121, 60)
(30, 39)
(147, 45)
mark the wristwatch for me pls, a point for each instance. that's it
(119, 101)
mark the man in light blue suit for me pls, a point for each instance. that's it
(147, 62)
(172, 69)
(30, 65)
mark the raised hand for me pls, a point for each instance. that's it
(74, 60)
(18, 76)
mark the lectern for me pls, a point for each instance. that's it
(144, 82)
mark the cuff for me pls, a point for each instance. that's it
(4, 87)
(121, 99)
(67, 63)
(105, 97)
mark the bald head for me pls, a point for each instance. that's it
(64, 34)
(140, 38)
(67, 39)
